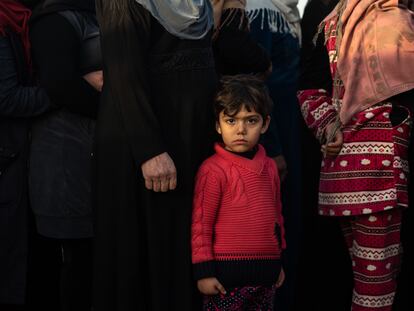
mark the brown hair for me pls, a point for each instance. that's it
(236, 92)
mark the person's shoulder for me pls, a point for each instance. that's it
(213, 161)
(54, 30)
(52, 22)
(47, 18)
(215, 165)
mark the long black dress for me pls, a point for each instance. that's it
(157, 97)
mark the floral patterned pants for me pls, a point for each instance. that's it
(258, 298)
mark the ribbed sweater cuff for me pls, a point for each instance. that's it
(204, 270)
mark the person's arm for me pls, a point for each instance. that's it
(207, 197)
(125, 39)
(217, 9)
(56, 53)
(314, 82)
(206, 202)
(17, 100)
(95, 79)
(314, 65)
(235, 46)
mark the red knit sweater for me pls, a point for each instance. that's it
(237, 216)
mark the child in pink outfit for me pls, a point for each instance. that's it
(237, 229)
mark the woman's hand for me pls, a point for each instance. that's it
(210, 286)
(334, 140)
(160, 173)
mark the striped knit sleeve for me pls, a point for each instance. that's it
(317, 110)
(207, 197)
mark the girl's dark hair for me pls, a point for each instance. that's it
(236, 92)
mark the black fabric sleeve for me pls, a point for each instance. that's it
(56, 53)
(17, 100)
(315, 69)
(125, 38)
(235, 48)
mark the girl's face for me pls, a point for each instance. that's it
(241, 132)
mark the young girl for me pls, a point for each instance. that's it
(237, 229)
(364, 128)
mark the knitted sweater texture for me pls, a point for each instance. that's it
(237, 229)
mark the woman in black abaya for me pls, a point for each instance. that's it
(154, 128)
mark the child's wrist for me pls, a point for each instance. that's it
(203, 270)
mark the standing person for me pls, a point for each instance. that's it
(20, 102)
(66, 53)
(275, 25)
(237, 229)
(331, 249)
(154, 128)
(364, 128)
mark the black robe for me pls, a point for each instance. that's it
(157, 97)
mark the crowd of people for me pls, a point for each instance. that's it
(205, 155)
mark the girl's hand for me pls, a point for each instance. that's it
(210, 286)
(334, 140)
(280, 279)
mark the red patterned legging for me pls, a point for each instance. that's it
(257, 298)
(374, 245)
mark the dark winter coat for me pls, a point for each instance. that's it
(65, 46)
(19, 103)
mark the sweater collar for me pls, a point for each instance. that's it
(255, 165)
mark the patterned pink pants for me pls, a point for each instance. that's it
(257, 298)
(374, 245)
